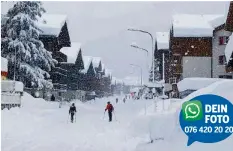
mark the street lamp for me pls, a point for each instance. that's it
(137, 47)
(152, 40)
(145, 50)
(140, 70)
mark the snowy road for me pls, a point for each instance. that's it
(42, 126)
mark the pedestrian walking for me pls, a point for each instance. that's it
(116, 100)
(72, 112)
(52, 98)
(110, 109)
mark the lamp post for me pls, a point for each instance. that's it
(141, 81)
(140, 70)
(152, 42)
(145, 50)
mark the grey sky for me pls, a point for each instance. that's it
(101, 27)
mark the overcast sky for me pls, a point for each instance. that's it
(101, 27)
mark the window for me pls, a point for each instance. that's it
(221, 60)
(223, 40)
(225, 76)
(177, 59)
(172, 80)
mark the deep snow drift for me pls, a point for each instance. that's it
(43, 126)
(165, 124)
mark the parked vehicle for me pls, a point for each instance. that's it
(12, 91)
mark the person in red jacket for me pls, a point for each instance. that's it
(110, 109)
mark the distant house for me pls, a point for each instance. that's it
(191, 46)
(107, 81)
(89, 72)
(162, 46)
(99, 89)
(229, 47)
(55, 35)
(220, 40)
(73, 65)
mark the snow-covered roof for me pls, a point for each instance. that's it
(103, 67)
(108, 72)
(87, 61)
(4, 66)
(162, 40)
(153, 85)
(195, 83)
(229, 49)
(193, 25)
(217, 21)
(71, 52)
(96, 61)
(51, 24)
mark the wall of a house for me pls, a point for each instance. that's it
(219, 50)
(196, 67)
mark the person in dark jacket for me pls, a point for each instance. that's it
(72, 111)
(52, 98)
(116, 100)
(110, 109)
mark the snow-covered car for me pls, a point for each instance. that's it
(148, 96)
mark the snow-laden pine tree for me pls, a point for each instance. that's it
(157, 76)
(21, 45)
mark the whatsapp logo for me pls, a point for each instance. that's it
(192, 111)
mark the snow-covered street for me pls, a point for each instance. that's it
(41, 125)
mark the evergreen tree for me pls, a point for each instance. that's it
(156, 72)
(22, 46)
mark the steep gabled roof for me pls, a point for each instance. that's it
(71, 52)
(51, 24)
(87, 60)
(229, 16)
(108, 73)
(162, 40)
(96, 61)
(229, 49)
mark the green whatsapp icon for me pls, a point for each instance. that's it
(192, 110)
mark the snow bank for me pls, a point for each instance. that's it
(195, 83)
(71, 52)
(189, 25)
(10, 86)
(229, 49)
(51, 24)
(164, 129)
(4, 64)
(162, 40)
